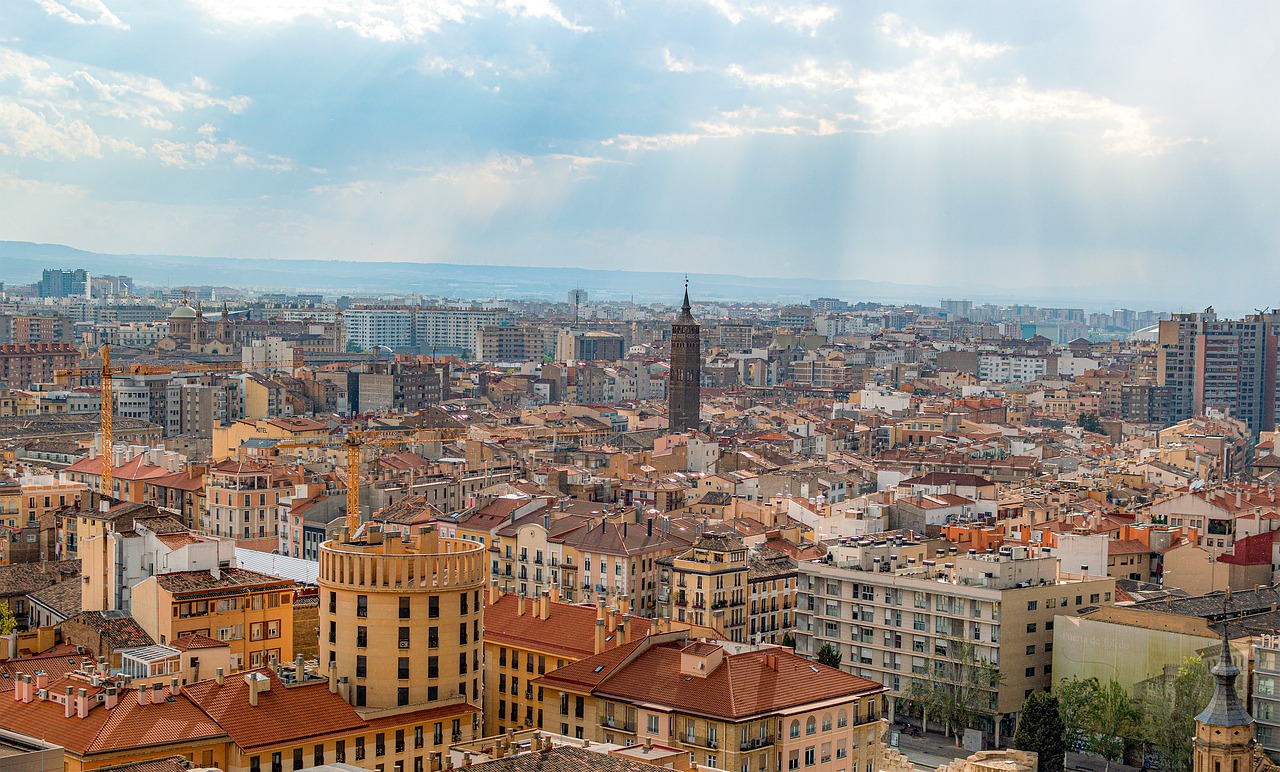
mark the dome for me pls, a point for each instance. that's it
(183, 311)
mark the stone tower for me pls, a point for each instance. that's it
(1224, 729)
(684, 387)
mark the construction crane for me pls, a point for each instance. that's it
(107, 407)
(356, 440)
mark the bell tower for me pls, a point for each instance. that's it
(684, 387)
(1224, 729)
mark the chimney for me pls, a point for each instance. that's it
(143, 697)
(299, 670)
(42, 680)
(520, 605)
(493, 593)
(252, 680)
(82, 703)
(624, 604)
(623, 622)
(218, 676)
(599, 635)
(112, 697)
(611, 619)
(333, 678)
(175, 688)
(27, 690)
(544, 605)
(69, 706)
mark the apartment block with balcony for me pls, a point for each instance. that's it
(727, 705)
(706, 585)
(916, 622)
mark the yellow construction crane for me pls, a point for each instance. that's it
(108, 371)
(356, 440)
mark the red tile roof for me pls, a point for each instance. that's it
(283, 715)
(568, 630)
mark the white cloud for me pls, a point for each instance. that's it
(83, 12)
(207, 148)
(935, 89)
(488, 71)
(67, 111)
(675, 64)
(801, 17)
(388, 21)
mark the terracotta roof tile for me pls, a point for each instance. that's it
(564, 758)
(276, 719)
(568, 629)
(202, 581)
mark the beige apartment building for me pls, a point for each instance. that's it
(912, 622)
(402, 618)
(706, 585)
(727, 705)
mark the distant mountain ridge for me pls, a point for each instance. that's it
(22, 263)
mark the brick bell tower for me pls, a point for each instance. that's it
(684, 385)
(1224, 729)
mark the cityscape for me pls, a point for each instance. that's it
(696, 385)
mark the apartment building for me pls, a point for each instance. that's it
(251, 611)
(615, 558)
(727, 705)
(24, 364)
(369, 327)
(242, 499)
(455, 330)
(525, 638)
(905, 622)
(706, 585)
(514, 343)
(772, 577)
(1266, 693)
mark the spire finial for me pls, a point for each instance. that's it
(686, 307)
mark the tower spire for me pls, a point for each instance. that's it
(685, 308)
(1225, 708)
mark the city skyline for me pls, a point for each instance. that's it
(1084, 147)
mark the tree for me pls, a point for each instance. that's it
(1090, 423)
(788, 640)
(1074, 698)
(8, 622)
(963, 687)
(1113, 716)
(1040, 729)
(1169, 706)
(829, 656)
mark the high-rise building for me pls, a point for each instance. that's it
(1225, 365)
(56, 283)
(684, 387)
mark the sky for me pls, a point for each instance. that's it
(1094, 148)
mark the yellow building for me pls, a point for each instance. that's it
(727, 705)
(528, 637)
(707, 585)
(227, 439)
(401, 618)
(251, 611)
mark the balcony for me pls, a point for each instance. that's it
(755, 743)
(719, 604)
(622, 725)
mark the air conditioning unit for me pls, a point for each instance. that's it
(404, 644)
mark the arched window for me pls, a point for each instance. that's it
(795, 731)
(842, 719)
(826, 722)
(811, 726)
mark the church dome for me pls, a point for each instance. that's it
(183, 311)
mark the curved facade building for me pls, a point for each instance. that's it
(401, 618)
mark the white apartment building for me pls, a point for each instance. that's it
(908, 620)
(369, 327)
(1006, 368)
(455, 330)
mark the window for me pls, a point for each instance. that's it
(462, 633)
(277, 762)
(795, 729)
(402, 668)
(433, 637)
(402, 695)
(1031, 627)
(462, 604)
(360, 692)
(362, 666)
(362, 637)
(1031, 672)
(1031, 649)
(362, 605)
(811, 726)
(255, 764)
(404, 607)
(1031, 605)
(651, 723)
(404, 637)
(810, 756)
(297, 758)
(433, 607)
(317, 758)
(433, 667)
(340, 751)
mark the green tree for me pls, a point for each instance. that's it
(963, 687)
(1168, 708)
(1113, 716)
(8, 622)
(1090, 423)
(1075, 696)
(788, 640)
(829, 656)
(1040, 729)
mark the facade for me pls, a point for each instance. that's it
(684, 386)
(771, 584)
(57, 283)
(905, 623)
(589, 345)
(252, 612)
(242, 499)
(727, 705)
(1266, 692)
(24, 364)
(514, 343)
(706, 585)
(1224, 729)
(401, 618)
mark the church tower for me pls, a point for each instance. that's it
(1224, 730)
(684, 386)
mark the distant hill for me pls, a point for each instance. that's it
(22, 262)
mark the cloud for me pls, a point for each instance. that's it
(71, 112)
(935, 89)
(801, 17)
(83, 12)
(208, 148)
(388, 21)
